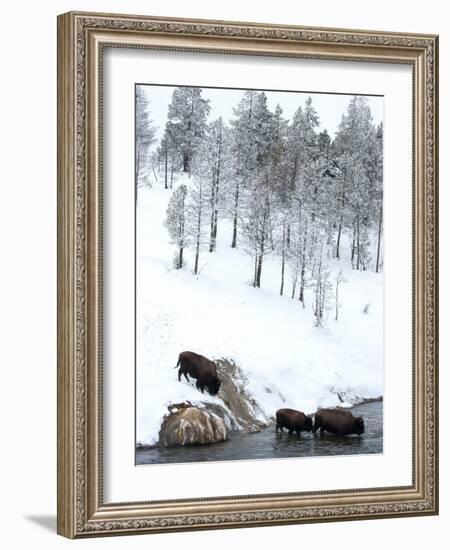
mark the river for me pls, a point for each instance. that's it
(269, 444)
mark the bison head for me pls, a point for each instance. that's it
(214, 386)
(359, 425)
(309, 424)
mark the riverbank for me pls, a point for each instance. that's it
(268, 444)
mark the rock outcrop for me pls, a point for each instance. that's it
(187, 424)
(237, 398)
(212, 421)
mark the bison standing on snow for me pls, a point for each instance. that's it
(199, 367)
(294, 421)
(338, 421)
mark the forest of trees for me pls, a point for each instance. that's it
(286, 188)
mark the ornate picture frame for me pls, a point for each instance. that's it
(82, 510)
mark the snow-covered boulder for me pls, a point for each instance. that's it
(191, 425)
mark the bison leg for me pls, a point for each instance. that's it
(278, 427)
(317, 424)
(182, 370)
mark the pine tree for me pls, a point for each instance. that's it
(145, 133)
(168, 156)
(303, 154)
(216, 147)
(263, 132)
(322, 287)
(243, 149)
(257, 222)
(186, 122)
(359, 157)
(198, 204)
(376, 174)
(176, 222)
(279, 177)
(338, 281)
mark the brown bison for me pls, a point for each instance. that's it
(199, 367)
(294, 421)
(338, 421)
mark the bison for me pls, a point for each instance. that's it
(202, 369)
(294, 421)
(338, 421)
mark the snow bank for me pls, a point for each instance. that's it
(287, 362)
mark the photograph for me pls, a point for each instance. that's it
(259, 274)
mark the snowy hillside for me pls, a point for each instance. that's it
(217, 313)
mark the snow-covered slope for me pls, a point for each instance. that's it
(287, 361)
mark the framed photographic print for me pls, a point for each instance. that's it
(247, 283)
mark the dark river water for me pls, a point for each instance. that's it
(269, 444)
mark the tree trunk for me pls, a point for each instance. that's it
(215, 227)
(216, 194)
(255, 269)
(358, 244)
(259, 270)
(319, 297)
(353, 246)
(262, 244)
(197, 254)
(341, 221)
(301, 296)
(199, 226)
(338, 240)
(165, 169)
(283, 258)
(212, 245)
(235, 218)
(185, 162)
(380, 224)
(282, 274)
(294, 286)
(180, 258)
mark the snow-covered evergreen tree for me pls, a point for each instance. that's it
(359, 156)
(258, 220)
(145, 134)
(186, 122)
(376, 174)
(169, 158)
(216, 148)
(243, 150)
(198, 204)
(279, 176)
(321, 286)
(338, 281)
(176, 222)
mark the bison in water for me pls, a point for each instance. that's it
(294, 421)
(338, 421)
(198, 367)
